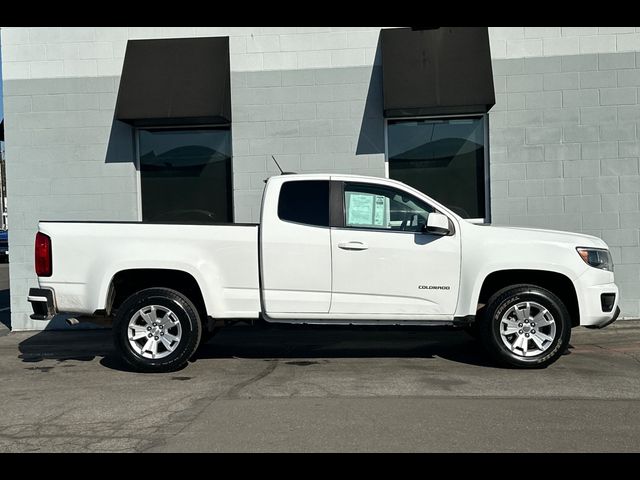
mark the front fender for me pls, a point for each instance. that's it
(470, 290)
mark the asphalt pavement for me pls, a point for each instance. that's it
(296, 389)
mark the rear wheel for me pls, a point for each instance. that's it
(157, 330)
(525, 326)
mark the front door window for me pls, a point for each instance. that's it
(384, 208)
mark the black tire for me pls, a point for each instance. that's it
(503, 300)
(187, 315)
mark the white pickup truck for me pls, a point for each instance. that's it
(332, 250)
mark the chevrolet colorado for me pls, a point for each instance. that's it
(333, 250)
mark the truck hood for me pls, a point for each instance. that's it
(555, 236)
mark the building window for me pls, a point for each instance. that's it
(185, 175)
(446, 158)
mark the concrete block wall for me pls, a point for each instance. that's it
(563, 132)
(565, 152)
(311, 120)
(58, 133)
(300, 93)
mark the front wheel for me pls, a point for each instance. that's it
(526, 326)
(157, 330)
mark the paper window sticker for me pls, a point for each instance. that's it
(360, 209)
(379, 212)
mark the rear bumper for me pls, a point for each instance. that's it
(43, 303)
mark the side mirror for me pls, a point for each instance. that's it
(437, 224)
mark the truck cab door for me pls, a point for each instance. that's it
(295, 243)
(384, 264)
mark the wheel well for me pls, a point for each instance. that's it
(556, 283)
(127, 282)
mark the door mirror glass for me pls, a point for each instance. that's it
(437, 224)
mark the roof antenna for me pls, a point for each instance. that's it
(281, 171)
(277, 165)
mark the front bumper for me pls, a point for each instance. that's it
(43, 302)
(608, 322)
(598, 298)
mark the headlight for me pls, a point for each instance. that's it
(596, 257)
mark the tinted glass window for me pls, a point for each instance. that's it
(305, 202)
(186, 175)
(444, 158)
(373, 206)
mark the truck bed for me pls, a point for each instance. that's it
(223, 259)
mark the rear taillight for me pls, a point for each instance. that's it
(43, 255)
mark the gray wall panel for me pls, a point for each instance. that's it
(582, 160)
(564, 149)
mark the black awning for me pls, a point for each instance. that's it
(436, 71)
(175, 82)
(2, 131)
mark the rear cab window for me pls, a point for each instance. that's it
(305, 202)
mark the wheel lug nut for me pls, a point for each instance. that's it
(526, 335)
(520, 325)
(533, 332)
(149, 328)
(520, 332)
(157, 338)
(162, 333)
(149, 335)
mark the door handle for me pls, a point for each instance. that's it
(353, 246)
